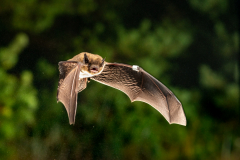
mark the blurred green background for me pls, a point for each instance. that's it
(190, 46)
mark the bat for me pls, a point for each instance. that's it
(135, 82)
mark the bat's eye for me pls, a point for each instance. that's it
(85, 59)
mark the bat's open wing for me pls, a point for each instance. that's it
(141, 86)
(69, 85)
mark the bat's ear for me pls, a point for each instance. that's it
(103, 61)
(85, 59)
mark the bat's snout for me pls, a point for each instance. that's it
(94, 69)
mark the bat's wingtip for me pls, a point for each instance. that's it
(71, 123)
(183, 124)
(180, 122)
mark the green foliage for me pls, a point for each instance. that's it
(190, 46)
(18, 100)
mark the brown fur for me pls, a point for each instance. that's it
(94, 60)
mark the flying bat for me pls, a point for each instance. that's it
(132, 80)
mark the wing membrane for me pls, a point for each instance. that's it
(69, 86)
(141, 86)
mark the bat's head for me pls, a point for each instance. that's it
(93, 64)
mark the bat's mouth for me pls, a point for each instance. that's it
(94, 70)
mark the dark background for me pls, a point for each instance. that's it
(190, 46)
